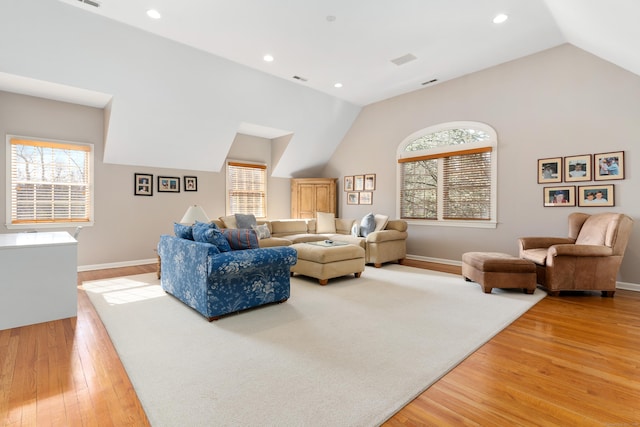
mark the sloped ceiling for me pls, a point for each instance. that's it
(203, 80)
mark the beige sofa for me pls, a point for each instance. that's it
(385, 245)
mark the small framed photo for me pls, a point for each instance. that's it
(577, 168)
(142, 184)
(358, 182)
(596, 195)
(190, 183)
(348, 184)
(168, 184)
(559, 196)
(366, 198)
(353, 198)
(370, 182)
(609, 166)
(550, 170)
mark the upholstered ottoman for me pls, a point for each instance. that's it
(498, 270)
(325, 261)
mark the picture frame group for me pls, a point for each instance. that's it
(143, 184)
(580, 168)
(359, 188)
(584, 196)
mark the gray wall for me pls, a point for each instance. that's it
(560, 102)
(126, 227)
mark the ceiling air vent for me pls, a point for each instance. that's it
(429, 82)
(93, 3)
(404, 59)
(302, 79)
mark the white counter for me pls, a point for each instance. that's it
(38, 278)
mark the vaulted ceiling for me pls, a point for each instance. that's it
(318, 43)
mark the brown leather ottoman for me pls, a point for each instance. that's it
(498, 270)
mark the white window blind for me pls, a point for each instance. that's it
(50, 182)
(247, 189)
(467, 186)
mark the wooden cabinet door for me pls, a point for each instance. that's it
(311, 195)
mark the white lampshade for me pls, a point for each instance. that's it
(194, 213)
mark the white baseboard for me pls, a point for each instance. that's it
(619, 285)
(116, 264)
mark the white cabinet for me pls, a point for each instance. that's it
(38, 278)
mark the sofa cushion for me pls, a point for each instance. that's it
(325, 222)
(245, 221)
(367, 225)
(283, 227)
(209, 233)
(229, 221)
(262, 231)
(239, 238)
(183, 231)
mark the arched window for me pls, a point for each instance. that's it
(447, 175)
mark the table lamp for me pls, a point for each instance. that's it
(194, 213)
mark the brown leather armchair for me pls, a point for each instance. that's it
(588, 259)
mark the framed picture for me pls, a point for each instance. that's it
(142, 184)
(353, 198)
(577, 168)
(190, 183)
(168, 184)
(550, 170)
(596, 195)
(358, 182)
(366, 198)
(370, 182)
(348, 184)
(609, 166)
(559, 196)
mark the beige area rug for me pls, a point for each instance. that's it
(351, 353)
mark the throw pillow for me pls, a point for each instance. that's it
(183, 231)
(355, 230)
(229, 221)
(245, 221)
(262, 231)
(381, 221)
(367, 225)
(209, 233)
(325, 223)
(241, 239)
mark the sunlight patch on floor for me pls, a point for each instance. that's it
(124, 290)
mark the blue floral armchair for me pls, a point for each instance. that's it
(217, 283)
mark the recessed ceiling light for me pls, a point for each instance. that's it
(500, 18)
(153, 14)
(338, 85)
(268, 58)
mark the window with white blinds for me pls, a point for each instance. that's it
(50, 183)
(246, 189)
(447, 174)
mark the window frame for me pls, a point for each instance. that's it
(243, 163)
(36, 224)
(492, 143)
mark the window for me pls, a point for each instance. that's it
(247, 189)
(447, 175)
(50, 183)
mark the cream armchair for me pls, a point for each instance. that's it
(588, 259)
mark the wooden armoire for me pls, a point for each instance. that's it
(311, 195)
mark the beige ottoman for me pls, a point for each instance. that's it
(324, 262)
(498, 270)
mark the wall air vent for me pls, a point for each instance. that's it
(404, 59)
(429, 82)
(302, 79)
(93, 3)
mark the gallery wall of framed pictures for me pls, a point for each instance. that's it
(359, 188)
(143, 184)
(580, 168)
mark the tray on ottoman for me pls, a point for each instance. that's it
(326, 260)
(498, 270)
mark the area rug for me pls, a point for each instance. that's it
(351, 353)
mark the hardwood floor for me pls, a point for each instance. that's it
(570, 360)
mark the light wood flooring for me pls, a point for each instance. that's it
(572, 360)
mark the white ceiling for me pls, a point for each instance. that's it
(449, 38)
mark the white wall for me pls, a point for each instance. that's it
(560, 102)
(127, 227)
